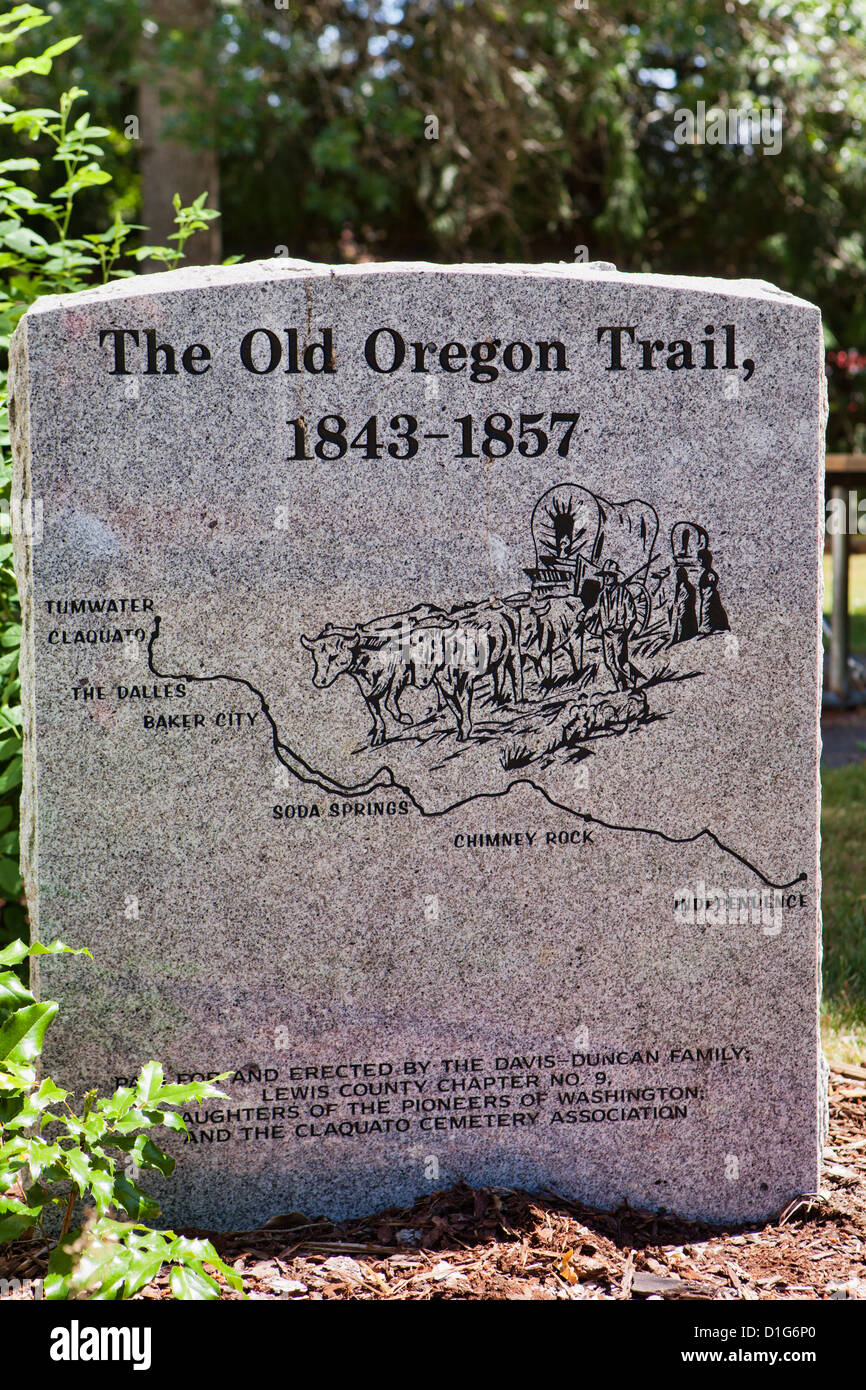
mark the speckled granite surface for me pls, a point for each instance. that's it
(420, 669)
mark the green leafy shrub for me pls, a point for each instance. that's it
(57, 1160)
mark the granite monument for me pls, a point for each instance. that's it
(421, 676)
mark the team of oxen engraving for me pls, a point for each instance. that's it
(568, 659)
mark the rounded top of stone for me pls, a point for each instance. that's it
(280, 268)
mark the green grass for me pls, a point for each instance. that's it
(843, 865)
(856, 598)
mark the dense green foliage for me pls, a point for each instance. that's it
(555, 130)
(53, 1159)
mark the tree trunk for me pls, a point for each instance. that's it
(168, 164)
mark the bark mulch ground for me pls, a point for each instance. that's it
(493, 1243)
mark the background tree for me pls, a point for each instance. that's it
(175, 77)
(507, 129)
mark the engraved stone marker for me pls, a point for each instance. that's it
(421, 684)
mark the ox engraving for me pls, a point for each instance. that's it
(551, 668)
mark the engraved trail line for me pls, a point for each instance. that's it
(384, 778)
